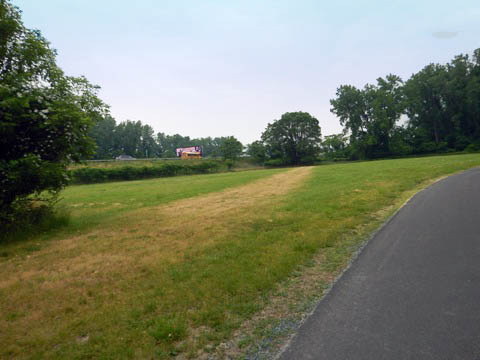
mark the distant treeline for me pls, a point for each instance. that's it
(436, 110)
(140, 141)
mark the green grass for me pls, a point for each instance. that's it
(91, 205)
(142, 289)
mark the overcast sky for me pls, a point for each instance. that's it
(224, 67)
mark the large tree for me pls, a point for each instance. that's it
(440, 105)
(443, 103)
(45, 116)
(427, 103)
(294, 138)
(103, 133)
(369, 115)
(231, 148)
(256, 150)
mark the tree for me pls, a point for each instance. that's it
(148, 146)
(426, 102)
(294, 139)
(335, 146)
(369, 115)
(169, 143)
(45, 116)
(441, 102)
(103, 133)
(257, 152)
(231, 148)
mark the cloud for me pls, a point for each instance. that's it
(444, 34)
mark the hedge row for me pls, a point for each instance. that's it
(97, 175)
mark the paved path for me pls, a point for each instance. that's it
(414, 292)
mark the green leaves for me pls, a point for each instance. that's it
(441, 103)
(295, 138)
(370, 115)
(230, 148)
(45, 116)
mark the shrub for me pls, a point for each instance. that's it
(274, 162)
(472, 148)
(45, 116)
(30, 218)
(229, 164)
(98, 175)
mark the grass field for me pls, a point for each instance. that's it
(174, 267)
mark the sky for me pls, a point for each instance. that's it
(229, 67)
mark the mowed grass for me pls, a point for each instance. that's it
(161, 280)
(91, 205)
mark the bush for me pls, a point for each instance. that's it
(98, 175)
(229, 164)
(31, 217)
(45, 116)
(472, 148)
(275, 162)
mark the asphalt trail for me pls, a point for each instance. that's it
(414, 291)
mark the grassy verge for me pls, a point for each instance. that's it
(183, 277)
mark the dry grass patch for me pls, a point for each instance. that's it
(94, 272)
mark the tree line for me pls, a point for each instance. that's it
(140, 141)
(293, 139)
(436, 110)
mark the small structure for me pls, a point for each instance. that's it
(125, 157)
(191, 155)
(192, 152)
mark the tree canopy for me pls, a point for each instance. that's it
(436, 109)
(231, 148)
(294, 138)
(45, 115)
(139, 140)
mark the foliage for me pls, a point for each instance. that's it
(257, 152)
(31, 218)
(45, 116)
(440, 105)
(274, 162)
(370, 115)
(334, 147)
(88, 175)
(126, 138)
(230, 148)
(229, 164)
(294, 138)
(139, 140)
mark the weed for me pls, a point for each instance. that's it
(168, 330)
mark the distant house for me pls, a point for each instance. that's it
(125, 157)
